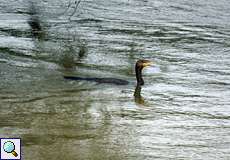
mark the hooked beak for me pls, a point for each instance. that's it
(147, 64)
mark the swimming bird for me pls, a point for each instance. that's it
(140, 64)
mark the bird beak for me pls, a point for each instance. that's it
(147, 64)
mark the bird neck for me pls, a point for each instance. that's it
(138, 71)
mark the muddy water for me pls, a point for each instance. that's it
(182, 111)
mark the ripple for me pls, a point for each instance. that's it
(183, 111)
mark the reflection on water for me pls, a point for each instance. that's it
(182, 111)
(137, 95)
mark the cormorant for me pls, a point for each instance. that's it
(140, 64)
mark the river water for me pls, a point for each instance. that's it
(183, 111)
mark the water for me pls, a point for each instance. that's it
(183, 111)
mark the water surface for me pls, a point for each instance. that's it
(184, 108)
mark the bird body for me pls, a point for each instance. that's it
(140, 64)
(99, 80)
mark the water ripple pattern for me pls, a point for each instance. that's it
(184, 108)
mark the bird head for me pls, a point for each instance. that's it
(140, 64)
(143, 63)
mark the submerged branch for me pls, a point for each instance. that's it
(77, 3)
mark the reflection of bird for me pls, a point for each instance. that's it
(140, 64)
(137, 94)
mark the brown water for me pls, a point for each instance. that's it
(184, 112)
